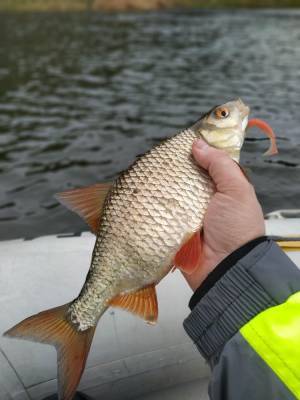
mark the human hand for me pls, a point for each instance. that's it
(234, 215)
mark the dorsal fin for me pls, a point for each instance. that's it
(188, 256)
(87, 202)
(143, 303)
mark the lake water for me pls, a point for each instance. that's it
(82, 94)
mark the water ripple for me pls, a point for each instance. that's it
(82, 95)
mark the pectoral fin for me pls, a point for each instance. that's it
(188, 257)
(87, 202)
(142, 303)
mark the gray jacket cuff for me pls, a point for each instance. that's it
(264, 277)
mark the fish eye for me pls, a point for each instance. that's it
(221, 112)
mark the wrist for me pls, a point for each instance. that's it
(206, 268)
(221, 268)
(210, 259)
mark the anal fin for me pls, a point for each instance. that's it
(188, 257)
(143, 303)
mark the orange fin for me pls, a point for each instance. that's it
(142, 303)
(52, 327)
(188, 257)
(87, 202)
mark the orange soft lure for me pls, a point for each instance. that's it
(268, 131)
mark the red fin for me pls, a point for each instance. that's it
(52, 327)
(86, 202)
(188, 257)
(142, 303)
(268, 131)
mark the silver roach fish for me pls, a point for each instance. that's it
(147, 222)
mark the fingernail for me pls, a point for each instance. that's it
(200, 144)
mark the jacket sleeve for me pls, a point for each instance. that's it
(245, 321)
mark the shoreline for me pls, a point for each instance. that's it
(139, 5)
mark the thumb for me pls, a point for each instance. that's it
(225, 173)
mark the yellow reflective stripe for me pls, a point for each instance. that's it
(289, 245)
(275, 335)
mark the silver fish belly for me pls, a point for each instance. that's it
(147, 214)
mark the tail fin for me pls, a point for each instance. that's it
(52, 327)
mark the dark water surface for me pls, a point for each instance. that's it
(81, 95)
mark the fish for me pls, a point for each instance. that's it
(147, 222)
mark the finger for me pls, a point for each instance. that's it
(223, 170)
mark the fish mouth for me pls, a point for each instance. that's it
(245, 123)
(268, 131)
(244, 111)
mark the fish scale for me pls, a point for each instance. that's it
(149, 211)
(146, 222)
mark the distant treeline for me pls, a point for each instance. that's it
(111, 5)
